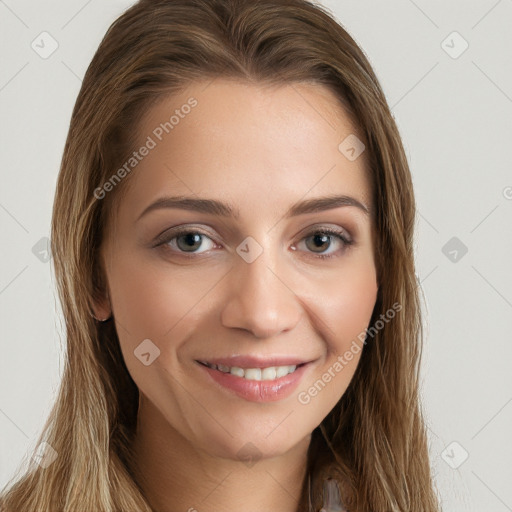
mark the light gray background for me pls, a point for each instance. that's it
(454, 115)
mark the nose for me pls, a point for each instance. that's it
(260, 299)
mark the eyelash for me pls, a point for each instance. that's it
(339, 234)
(165, 239)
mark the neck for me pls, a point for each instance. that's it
(177, 476)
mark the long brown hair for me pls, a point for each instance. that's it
(374, 440)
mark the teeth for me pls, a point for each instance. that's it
(270, 373)
(252, 373)
(237, 371)
(281, 371)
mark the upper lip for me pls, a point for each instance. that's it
(254, 362)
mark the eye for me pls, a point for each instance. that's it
(321, 240)
(185, 241)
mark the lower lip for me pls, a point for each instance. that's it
(258, 390)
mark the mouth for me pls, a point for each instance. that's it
(268, 373)
(255, 380)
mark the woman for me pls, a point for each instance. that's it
(232, 239)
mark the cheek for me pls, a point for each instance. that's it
(348, 309)
(345, 301)
(343, 310)
(149, 302)
(163, 305)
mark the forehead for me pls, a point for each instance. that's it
(256, 146)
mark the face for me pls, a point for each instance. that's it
(269, 279)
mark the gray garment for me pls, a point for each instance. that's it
(332, 498)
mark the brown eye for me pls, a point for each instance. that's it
(186, 241)
(189, 242)
(320, 241)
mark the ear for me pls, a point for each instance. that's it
(101, 305)
(102, 309)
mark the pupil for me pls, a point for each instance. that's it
(322, 239)
(191, 239)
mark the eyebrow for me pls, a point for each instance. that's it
(214, 207)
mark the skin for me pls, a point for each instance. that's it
(261, 149)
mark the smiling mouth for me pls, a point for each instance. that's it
(259, 374)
